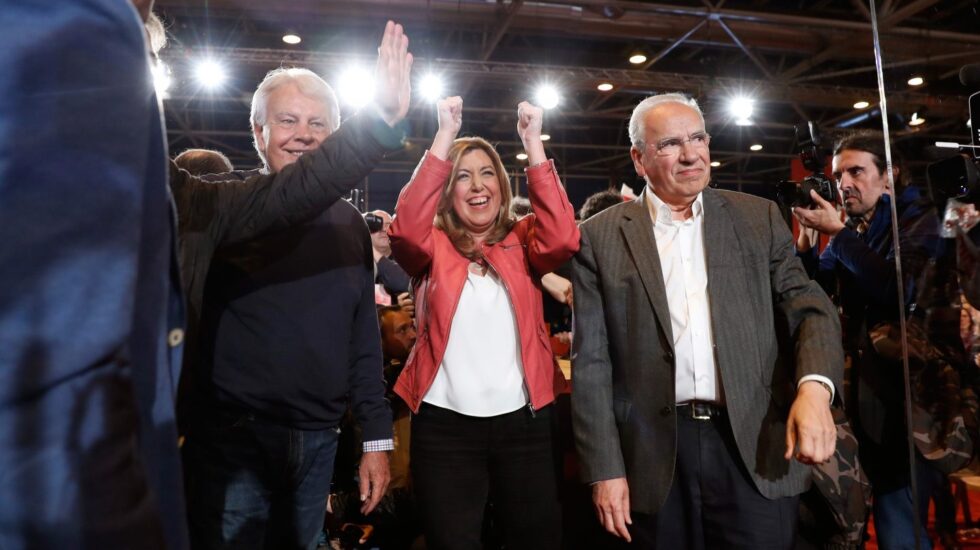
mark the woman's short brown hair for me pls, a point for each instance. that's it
(446, 218)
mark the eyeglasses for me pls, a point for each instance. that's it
(671, 147)
(290, 124)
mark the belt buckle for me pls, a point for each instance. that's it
(696, 416)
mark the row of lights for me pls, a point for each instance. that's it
(639, 58)
(355, 85)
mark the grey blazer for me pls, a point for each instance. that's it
(772, 325)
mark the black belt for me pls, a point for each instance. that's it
(699, 410)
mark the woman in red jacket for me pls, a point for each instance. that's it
(482, 377)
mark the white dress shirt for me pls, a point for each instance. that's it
(680, 244)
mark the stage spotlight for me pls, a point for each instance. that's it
(916, 120)
(755, 147)
(638, 58)
(862, 105)
(161, 78)
(210, 74)
(545, 137)
(431, 88)
(715, 164)
(604, 87)
(291, 38)
(521, 156)
(547, 97)
(916, 81)
(356, 87)
(741, 109)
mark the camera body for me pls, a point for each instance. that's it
(954, 178)
(791, 193)
(375, 222)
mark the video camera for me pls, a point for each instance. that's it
(797, 193)
(954, 178)
(957, 177)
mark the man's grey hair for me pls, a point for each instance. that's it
(309, 84)
(636, 128)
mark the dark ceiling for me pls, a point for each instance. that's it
(801, 60)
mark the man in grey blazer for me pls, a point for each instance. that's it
(705, 360)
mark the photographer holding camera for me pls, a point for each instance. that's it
(388, 275)
(858, 269)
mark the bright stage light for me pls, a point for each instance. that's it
(547, 97)
(604, 87)
(521, 156)
(756, 147)
(916, 120)
(638, 58)
(916, 81)
(161, 79)
(862, 105)
(291, 38)
(545, 137)
(210, 74)
(431, 88)
(715, 164)
(741, 108)
(356, 87)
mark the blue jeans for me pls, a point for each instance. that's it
(893, 511)
(256, 484)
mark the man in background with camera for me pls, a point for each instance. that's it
(858, 269)
(392, 284)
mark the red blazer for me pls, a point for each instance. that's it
(536, 245)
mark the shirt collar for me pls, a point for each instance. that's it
(659, 211)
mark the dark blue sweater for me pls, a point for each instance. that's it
(291, 331)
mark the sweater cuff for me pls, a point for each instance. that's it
(390, 138)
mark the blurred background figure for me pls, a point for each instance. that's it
(392, 284)
(91, 315)
(200, 162)
(520, 207)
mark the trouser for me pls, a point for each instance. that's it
(460, 463)
(256, 484)
(713, 502)
(894, 512)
